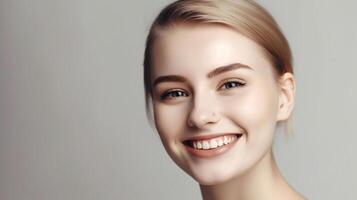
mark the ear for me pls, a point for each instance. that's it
(287, 88)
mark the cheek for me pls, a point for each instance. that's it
(255, 109)
(169, 120)
(170, 124)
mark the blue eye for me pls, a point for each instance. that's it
(173, 94)
(232, 84)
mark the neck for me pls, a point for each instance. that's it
(263, 181)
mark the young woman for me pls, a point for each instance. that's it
(218, 79)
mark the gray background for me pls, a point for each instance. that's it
(72, 120)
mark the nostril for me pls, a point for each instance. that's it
(200, 117)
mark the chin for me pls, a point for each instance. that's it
(215, 177)
(208, 181)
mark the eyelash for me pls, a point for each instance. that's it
(166, 94)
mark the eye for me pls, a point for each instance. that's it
(232, 84)
(173, 94)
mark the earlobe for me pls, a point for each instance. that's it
(287, 89)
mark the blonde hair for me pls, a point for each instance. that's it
(245, 16)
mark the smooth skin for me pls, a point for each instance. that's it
(194, 100)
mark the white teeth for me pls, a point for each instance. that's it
(213, 143)
(220, 142)
(225, 140)
(199, 145)
(205, 145)
(195, 145)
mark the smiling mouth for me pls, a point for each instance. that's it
(212, 143)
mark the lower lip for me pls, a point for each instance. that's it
(211, 152)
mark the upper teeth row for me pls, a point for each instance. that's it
(213, 143)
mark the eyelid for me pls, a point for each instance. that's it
(165, 93)
(231, 80)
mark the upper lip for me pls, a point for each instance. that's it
(209, 136)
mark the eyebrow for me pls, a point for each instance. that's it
(215, 72)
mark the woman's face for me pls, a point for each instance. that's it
(215, 100)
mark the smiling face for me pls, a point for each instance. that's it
(210, 81)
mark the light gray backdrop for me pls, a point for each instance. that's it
(72, 120)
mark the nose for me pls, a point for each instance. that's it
(203, 112)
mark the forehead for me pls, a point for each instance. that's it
(201, 48)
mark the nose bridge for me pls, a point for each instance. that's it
(203, 109)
